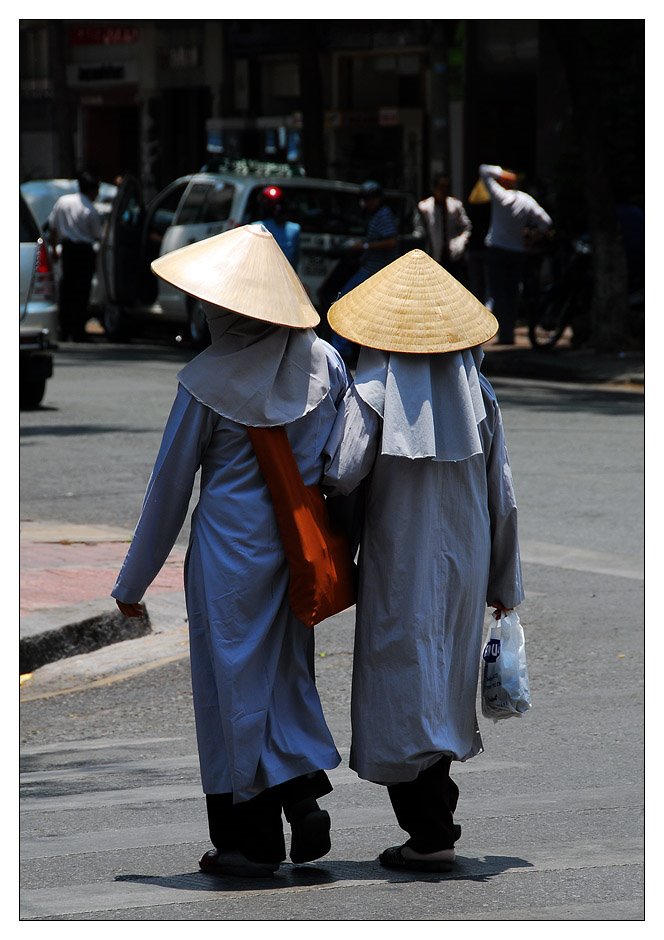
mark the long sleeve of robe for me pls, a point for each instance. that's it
(439, 541)
(259, 719)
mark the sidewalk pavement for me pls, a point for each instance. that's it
(67, 571)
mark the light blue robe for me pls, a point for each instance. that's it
(439, 542)
(259, 719)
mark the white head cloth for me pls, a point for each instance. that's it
(256, 373)
(430, 404)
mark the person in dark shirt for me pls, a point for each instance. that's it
(378, 248)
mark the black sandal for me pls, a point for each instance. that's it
(232, 862)
(393, 858)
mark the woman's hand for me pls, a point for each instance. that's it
(130, 610)
(499, 610)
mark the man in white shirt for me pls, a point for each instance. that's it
(514, 217)
(76, 225)
(447, 227)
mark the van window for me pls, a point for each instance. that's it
(316, 210)
(163, 212)
(191, 207)
(217, 206)
(206, 203)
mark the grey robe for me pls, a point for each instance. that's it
(259, 720)
(439, 542)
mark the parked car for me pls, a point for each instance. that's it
(38, 310)
(203, 204)
(41, 196)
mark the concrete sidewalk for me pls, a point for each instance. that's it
(67, 574)
(68, 571)
(564, 364)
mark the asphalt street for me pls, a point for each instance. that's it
(112, 818)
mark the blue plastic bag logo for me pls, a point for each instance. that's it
(491, 651)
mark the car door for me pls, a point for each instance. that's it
(121, 244)
(159, 236)
(203, 209)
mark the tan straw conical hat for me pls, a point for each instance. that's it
(413, 305)
(479, 194)
(243, 270)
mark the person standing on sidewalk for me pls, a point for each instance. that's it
(76, 225)
(378, 248)
(422, 427)
(516, 218)
(447, 227)
(263, 741)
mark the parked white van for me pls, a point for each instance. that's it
(204, 204)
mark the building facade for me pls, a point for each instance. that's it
(394, 100)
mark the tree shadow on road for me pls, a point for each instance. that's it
(333, 872)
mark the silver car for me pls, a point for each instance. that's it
(38, 310)
(41, 196)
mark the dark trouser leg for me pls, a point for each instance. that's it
(300, 793)
(505, 270)
(310, 825)
(254, 827)
(77, 270)
(425, 807)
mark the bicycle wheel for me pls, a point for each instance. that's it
(548, 321)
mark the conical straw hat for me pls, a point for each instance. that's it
(479, 194)
(243, 270)
(412, 305)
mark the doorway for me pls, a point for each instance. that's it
(111, 140)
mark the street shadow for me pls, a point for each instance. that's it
(148, 350)
(570, 399)
(480, 870)
(286, 877)
(77, 430)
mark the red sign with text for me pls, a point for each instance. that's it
(102, 35)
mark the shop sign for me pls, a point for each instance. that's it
(103, 35)
(180, 57)
(108, 73)
(388, 117)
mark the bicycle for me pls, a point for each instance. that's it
(563, 302)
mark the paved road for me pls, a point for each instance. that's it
(112, 817)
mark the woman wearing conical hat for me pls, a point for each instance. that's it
(263, 741)
(421, 428)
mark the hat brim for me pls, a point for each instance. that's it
(243, 270)
(413, 305)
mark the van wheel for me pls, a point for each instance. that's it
(198, 328)
(31, 393)
(116, 325)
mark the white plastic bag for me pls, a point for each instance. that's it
(505, 686)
